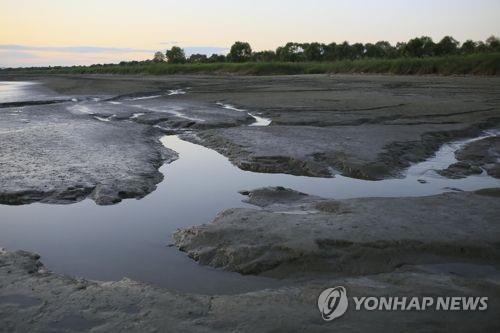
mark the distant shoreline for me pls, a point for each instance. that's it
(475, 64)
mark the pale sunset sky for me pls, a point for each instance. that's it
(67, 32)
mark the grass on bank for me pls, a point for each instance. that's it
(475, 64)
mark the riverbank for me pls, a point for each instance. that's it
(475, 64)
(34, 299)
(298, 234)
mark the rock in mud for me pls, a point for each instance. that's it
(355, 236)
(475, 157)
(267, 196)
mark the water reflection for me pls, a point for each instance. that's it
(130, 239)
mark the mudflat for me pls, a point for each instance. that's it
(363, 126)
(297, 234)
(53, 155)
(68, 138)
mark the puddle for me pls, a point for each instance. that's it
(105, 119)
(445, 156)
(137, 115)
(144, 97)
(176, 92)
(169, 93)
(259, 121)
(25, 91)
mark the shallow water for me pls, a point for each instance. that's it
(130, 239)
(259, 121)
(14, 91)
(20, 91)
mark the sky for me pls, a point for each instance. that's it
(67, 32)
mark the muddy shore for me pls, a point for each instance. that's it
(296, 234)
(369, 127)
(475, 158)
(36, 300)
(97, 137)
(52, 155)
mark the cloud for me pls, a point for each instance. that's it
(13, 55)
(21, 58)
(17, 54)
(72, 49)
(208, 50)
(170, 43)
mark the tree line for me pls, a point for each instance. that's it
(299, 52)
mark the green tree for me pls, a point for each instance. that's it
(240, 52)
(291, 52)
(414, 47)
(388, 51)
(198, 58)
(217, 58)
(159, 57)
(264, 56)
(373, 51)
(446, 46)
(330, 52)
(493, 44)
(313, 51)
(357, 51)
(401, 49)
(468, 47)
(280, 53)
(481, 47)
(344, 51)
(420, 47)
(176, 55)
